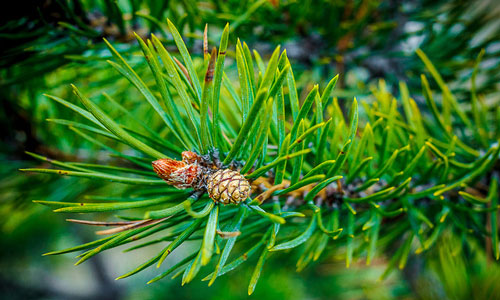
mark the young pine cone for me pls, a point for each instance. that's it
(223, 185)
(227, 186)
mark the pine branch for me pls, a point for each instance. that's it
(379, 171)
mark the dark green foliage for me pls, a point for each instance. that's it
(417, 183)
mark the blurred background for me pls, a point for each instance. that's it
(49, 44)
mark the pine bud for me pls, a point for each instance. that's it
(181, 174)
(227, 186)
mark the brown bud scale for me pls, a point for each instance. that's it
(181, 174)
